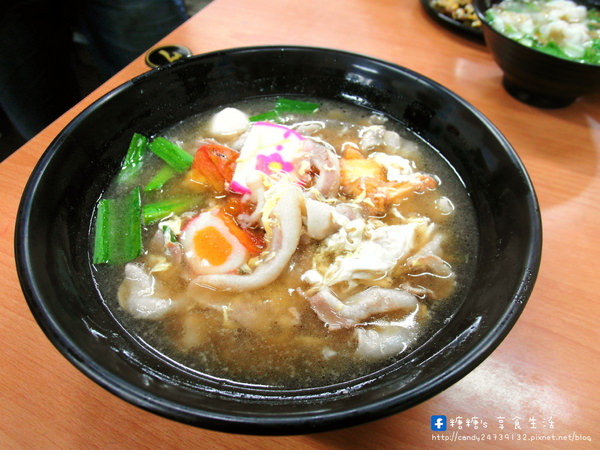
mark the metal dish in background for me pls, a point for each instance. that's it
(452, 24)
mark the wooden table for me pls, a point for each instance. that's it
(542, 381)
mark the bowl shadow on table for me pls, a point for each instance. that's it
(582, 115)
(382, 433)
(581, 158)
(454, 33)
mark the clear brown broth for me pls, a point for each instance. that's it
(271, 336)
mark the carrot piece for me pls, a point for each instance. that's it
(352, 170)
(351, 152)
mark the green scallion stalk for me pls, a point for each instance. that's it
(132, 164)
(118, 234)
(173, 155)
(286, 105)
(164, 174)
(153, 212)
(102, 233)
(271, 116)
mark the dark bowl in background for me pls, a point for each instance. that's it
(55, 215)
(534, 77)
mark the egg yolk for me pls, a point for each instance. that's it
(212, 246)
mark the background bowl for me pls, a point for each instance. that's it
(54, 219)
(534, 77)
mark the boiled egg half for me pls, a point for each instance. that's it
(209, 246)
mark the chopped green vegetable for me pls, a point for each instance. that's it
(592, 54)
(167, 231)
(593, 16)
(269, 116)
(283, 105)
(286, 105)
(153, 212)
(164, 174)
(118, 236)
(553, 49)
(173, 155)
(132, 164)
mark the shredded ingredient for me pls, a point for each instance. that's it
(460, 10)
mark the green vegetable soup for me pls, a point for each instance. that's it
(560, 28)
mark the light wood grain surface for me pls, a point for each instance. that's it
(541, 383)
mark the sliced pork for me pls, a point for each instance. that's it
(138, 294)
(327, 164)
(375, 300)
(383, 341)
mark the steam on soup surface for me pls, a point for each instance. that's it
(300, 244)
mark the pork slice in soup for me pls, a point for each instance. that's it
(297, 244)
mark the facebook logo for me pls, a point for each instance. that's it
(438, 423)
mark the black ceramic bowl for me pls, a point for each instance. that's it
(534, 77)
(53, 251)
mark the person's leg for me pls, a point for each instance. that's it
(118, 31)
(37, 81)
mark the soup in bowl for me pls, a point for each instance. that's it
(278, 240)
(548, 50)
(284, 242)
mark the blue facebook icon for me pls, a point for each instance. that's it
(438, 423)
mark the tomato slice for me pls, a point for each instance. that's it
(250, 238)
(223, 158)
(215, 163)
